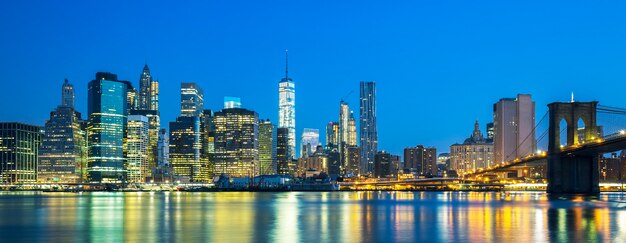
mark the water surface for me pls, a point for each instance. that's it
(309, 217)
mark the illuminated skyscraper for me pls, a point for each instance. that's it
(367, 122)
(236, 142)
(283, 153)
(514, 122)
(287, 107)
(185, 147)
(332, 135)
(344, 119)
(67, 95)
(351, 130)
(63, 152)
(309, 142)
(108, 112)
(267, 148)
(19, 144)
(191, 99)
(163, 153)
(145, 87)
(148, 105)
(137, 149)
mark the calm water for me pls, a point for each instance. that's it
(309, 217)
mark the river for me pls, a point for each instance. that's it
(309, 217)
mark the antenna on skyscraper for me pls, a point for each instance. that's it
(286, 64)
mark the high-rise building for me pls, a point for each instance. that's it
(63, 152)
(354, 161)
(309, 142)
(611, 168)
(67, 95)
(514, 123)
(148, 106)
(475, 153)
(267, 148)
(287, 107)
(283, 151)
(108, 111)
(191, 99)
(163, 146)
(344, 119)
(236, 142)
(421, 160)
(19, 145)
(367, 122)
(137, 149)
(185, 147)
(145, 89)
(385, 164)
(351, 130)
(332, 134)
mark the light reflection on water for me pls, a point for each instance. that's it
(309, 216)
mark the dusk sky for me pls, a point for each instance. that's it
(439, 65)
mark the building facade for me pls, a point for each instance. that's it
(267, 148)
(308, 143)
(137, 149)
(19, 146)
(474, 153)
(108, 113)
(283, 153)
(332, 135)
(421, 160)
(513, 128)
(191, 99)
(236, 142)
(367, 124)
(63, 152)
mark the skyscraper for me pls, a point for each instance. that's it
(145, 87)
(283, 153)
(514, 133)
(344, 119)
(108, 112)
(67, 94)
(332, 135)
(191, 99)
(19, 144)
(351, 130)
(185, 147)
(287, 106)
(367, 123)
(137, 149)
(309, 142)
(267, 148)
(163, 146)
(63, 152)
(236, 142)
(148, 106)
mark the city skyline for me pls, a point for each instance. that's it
(251, 72)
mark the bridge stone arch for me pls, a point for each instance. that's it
(569, 173)
(571, 112)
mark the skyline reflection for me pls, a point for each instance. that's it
(309, 216)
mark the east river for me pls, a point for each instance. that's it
(310, 217)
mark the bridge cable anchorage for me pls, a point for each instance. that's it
(532, 132)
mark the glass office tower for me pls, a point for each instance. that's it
(108, 111)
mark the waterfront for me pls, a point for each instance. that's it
(309, 217)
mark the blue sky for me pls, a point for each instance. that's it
(439, 65)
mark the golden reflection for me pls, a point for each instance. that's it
(314, 217)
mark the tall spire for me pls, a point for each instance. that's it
(286, 64)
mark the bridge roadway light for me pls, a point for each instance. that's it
(622, 132)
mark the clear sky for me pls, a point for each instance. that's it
(439, 65)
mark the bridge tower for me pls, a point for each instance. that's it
(569, 173)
